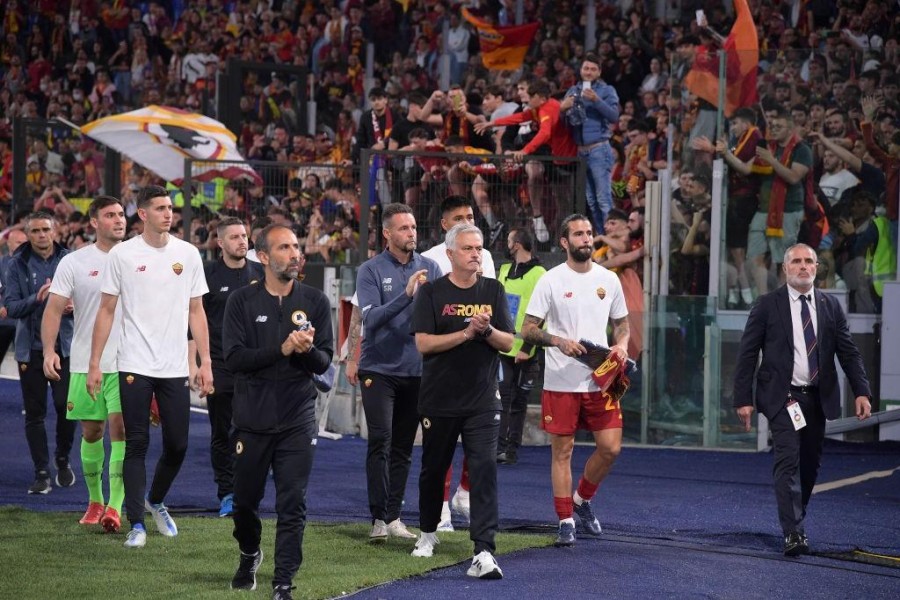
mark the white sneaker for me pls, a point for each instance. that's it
(396, 528)
(379, 532)
(136, 538)
(541, 233)
(425, 546)
(484, 566)
(164, 522)
(446, 523)
(460, 504)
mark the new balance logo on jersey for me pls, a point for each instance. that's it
(224, 289)
(141, 269)
(93, 273)
(567, 295)
(262, 318)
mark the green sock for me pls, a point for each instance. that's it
(116, 486)
(92, 455)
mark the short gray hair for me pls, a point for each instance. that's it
(457, 230)
(799, 245)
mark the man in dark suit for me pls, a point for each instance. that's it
(799, 330)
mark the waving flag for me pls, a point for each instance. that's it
(159, 138)
(502, 48)
(741, 62)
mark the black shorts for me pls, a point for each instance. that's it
(741, 209)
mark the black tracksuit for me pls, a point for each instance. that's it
(274, 411)
(222, 281)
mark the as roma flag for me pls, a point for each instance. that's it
(741, 62)
(502, 48)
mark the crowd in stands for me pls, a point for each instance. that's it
(833, 69)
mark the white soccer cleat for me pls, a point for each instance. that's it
(459, 504)
(137, 537)
(164, 522)
(396, 528)
(379, 532)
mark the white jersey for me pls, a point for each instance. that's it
(439, 255)
(78, 277)
(575, 306)
(154, 287)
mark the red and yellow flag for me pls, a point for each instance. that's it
(502, 48)
(741, 63)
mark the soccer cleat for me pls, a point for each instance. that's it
(396, 528)
(111, 521)
(164, 522)
(65, 476)
(425, 546)
(588, 522)
(41, 483)
(282, 592)
(565, 538)
(379, 532)
(137, 537)
(93, 514)
(484, 566)
(245, 576)
(795, 544)
(226, 506)
(460, 505)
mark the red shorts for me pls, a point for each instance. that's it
(562, 413)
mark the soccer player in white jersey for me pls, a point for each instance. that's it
(577, 300)
(76, 287)
(159, 281)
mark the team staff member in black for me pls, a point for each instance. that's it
(276, 335)
(461, 321)
(223, 276)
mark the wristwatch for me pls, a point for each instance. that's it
(487, 332)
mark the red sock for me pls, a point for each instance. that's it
(447, 480)
(464, 478)
(586, 489)
(563, 507)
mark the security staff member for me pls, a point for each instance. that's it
(223, 276)
(277, 334)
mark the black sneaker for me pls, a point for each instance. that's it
(795, 544)
(282, 592)
(245, 576)
(65, 476)
(41, 483)
(507, 458)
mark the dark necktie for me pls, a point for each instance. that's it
(809, 335)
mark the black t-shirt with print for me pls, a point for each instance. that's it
(463, 380)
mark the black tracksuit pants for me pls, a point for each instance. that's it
(290, 455)
(34, 400)
(222, 438)
(515, 388)
(479, 437)
(392, 417)
(173, 396)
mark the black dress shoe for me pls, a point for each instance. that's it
(795, 544)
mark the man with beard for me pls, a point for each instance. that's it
(76, 289)
(576, 300)
(276, 336)
(391, 367)
(223, 276)
(374, 132)
(800, 332)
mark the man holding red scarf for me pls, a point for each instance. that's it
(782, 171)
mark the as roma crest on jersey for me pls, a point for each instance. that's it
(601, 293)
(178, 268)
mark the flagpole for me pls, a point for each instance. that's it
(590, 31)
(520, 12)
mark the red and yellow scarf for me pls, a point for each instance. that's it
(778, 194)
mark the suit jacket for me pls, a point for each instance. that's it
(769, 329)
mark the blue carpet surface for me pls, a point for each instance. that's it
(677, 523)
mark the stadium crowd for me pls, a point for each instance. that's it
(832, 68)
